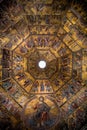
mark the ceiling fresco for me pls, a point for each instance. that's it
(53, 97)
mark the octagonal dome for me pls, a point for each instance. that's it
(43, 64)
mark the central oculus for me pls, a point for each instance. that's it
(42, 64)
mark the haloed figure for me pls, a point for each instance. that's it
(42, 113)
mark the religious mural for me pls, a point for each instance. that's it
(40, 113)
(43, 64)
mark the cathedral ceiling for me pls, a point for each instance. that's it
(43, 30)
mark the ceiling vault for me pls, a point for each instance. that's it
(43, 65)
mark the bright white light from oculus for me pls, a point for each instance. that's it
(42, 64)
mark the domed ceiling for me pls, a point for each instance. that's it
(43, 64)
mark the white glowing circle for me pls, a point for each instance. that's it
(42, 64)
